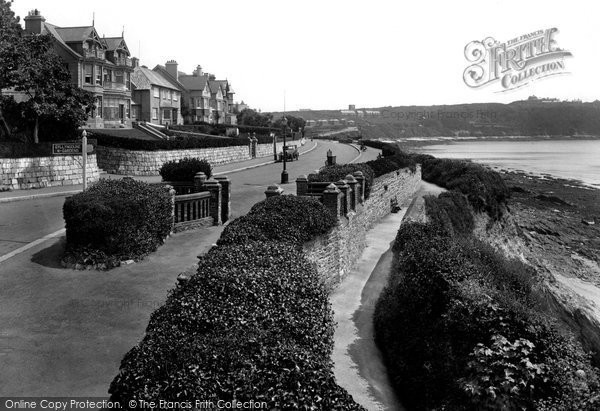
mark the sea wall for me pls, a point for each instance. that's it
(39, 172)
(335, 253)
(148, 163)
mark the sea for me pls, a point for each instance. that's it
(569, 158)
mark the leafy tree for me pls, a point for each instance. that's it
(42, 76)
(294, 123)
(249, 117)
(10, 36)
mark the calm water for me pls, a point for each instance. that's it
(572, 159)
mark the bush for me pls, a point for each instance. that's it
(460, 328)
(178, 143)
(452, 211)
(185, 169)
(282, 218)
(116, 220)
(339, 172)
(254, 324)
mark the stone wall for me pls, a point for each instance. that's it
(336, 253)
(38, 172)
(147, 163)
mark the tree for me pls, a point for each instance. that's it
(294, 123)
(10, 44)
(249, 117)
(42, 76)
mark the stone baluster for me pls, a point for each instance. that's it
(199, 181)
(361, 185)
(345, 203)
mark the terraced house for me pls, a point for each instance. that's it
(101, 65)
(206, 99)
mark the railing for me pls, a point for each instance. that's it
(98, 54)
(123, 61)
(192, 207)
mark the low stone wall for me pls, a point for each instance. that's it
(38, 172)
(336, 253)
(147, 163)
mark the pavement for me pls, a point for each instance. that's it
(20, 195)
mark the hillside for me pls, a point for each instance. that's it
(534, 117)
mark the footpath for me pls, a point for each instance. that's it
(19, 195)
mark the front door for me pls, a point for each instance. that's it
(122, 113)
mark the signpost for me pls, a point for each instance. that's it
(76, 148)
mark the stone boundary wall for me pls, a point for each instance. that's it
(335, 253)
(39, 172)
(147, 163)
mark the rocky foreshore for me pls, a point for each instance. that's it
(554, 225)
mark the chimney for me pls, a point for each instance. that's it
(135, 62)
(198, 71)
(171, 67)
(34, 22)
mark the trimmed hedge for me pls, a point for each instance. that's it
(340, 171)
(253, 324)
(116, 220)
(18, 149)
(178, 143)
(460, 328)
(185, 169)
(281, 218)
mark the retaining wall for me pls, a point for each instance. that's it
(335, 253)
(147, 163)
(38, 172)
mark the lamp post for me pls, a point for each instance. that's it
(84, 157)
(284, 173)
(274, 146)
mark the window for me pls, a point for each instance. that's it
(155, 91)
(154, 114)
(107, 75)
(99, 105)
(165, 94)
(128, 80)
(128, 109)
(170, 94)
(87, 69)
(98, 71)
(175, 96)
(167, 114)
(119, 77)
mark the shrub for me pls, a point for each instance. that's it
(115, 220)
(185, 169)
(253, 324)
(452, 211)
(340, 171)
(178, 143)
(460, 328)
(283, 218)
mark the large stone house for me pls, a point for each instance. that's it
(100, 65)
(157, 99)
(205, 99)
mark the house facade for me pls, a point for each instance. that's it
(205, 99)
(101, 66)
(157, 99)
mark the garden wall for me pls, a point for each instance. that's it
(336, 253)
(147, 163)
(38, 172)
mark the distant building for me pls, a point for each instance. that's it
(348, 112)
(101, 66)
(351, 107)
(311, 123)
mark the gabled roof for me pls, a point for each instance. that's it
(51, 29)
(214, 86)
(163, 71)
(225, 86)
(115, 43)
(193, 82)
(144, 78)
(77, 34)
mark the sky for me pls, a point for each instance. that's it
(327, 54)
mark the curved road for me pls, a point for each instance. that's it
(64, 332)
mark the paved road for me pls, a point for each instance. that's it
(64, 332)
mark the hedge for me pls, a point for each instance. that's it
(340, 171)
(178, 143)
(460, 328)
(185, 169)
(18, 149)
(282, 218)
(253, 324)
(116, 220)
